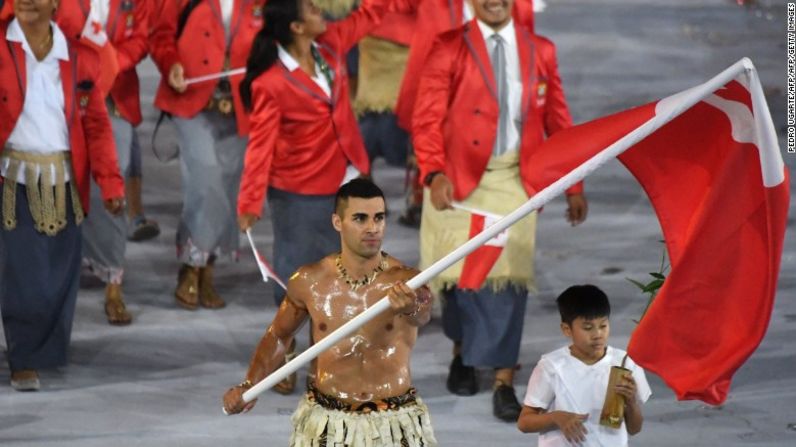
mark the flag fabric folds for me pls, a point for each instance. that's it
(709, 160)
(478, 264)
(265, 268)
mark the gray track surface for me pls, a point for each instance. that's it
(159, 381)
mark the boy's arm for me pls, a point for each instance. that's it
(633, 416)
(535, 420)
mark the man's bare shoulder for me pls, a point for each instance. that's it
(398, 271)
(309, 274)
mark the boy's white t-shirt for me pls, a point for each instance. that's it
(562, 382)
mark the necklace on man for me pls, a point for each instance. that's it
(342, 273)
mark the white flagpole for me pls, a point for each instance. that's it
(676, 105)
(210, 77)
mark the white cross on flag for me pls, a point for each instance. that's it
(94, 36)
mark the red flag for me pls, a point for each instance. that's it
(478, 263)
(712, 169)
(94, 36)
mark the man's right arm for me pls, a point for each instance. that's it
(270, 352)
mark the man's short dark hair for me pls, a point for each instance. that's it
(585, 301)
(359, 187)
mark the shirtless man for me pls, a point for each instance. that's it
(363, 386)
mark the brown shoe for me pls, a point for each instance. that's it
(187, 293)
(208, 296)
(115, 309)
(25, 380)
(288, 384)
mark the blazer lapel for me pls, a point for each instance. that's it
(527, 55)
(477, 46)
(115, 8)
(19, 61)
(68, 84)
(456, 10)
(301, 80)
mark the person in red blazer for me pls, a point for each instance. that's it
(304, 141)
(434, 17)
(454, 129)
(54, 130)
(193, 38)
(105, 235)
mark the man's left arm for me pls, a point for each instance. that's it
(556, 118)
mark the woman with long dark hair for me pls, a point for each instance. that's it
(304, 141)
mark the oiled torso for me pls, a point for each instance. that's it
(373, 362)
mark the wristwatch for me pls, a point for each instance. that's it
(429, 177)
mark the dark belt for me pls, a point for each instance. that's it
(388, 403)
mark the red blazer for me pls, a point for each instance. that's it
(90, 135)
(433, 18)
(301, 140)
(127, 31)
(201, 49)
(398, 27)
(456, 114)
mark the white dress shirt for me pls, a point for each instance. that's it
(513, 75)
(291, 64)
(226, 12)
(41, 127)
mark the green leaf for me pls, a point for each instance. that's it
(653, 286)
(657, 275)
(636, 283)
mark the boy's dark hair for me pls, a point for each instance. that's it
(585, 301)
(359, 187)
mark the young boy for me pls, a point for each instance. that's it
(567, 387)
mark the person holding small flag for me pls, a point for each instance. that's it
(54, 135)
(488, 94)
(192, 39)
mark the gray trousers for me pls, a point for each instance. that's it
(488, 325)
(39, 288)
(303, 231)
(136, 168)
(211, 160)
(105, 235)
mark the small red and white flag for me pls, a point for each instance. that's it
(265, 268)
(479, 263)
(94, 36)
(709, 160)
